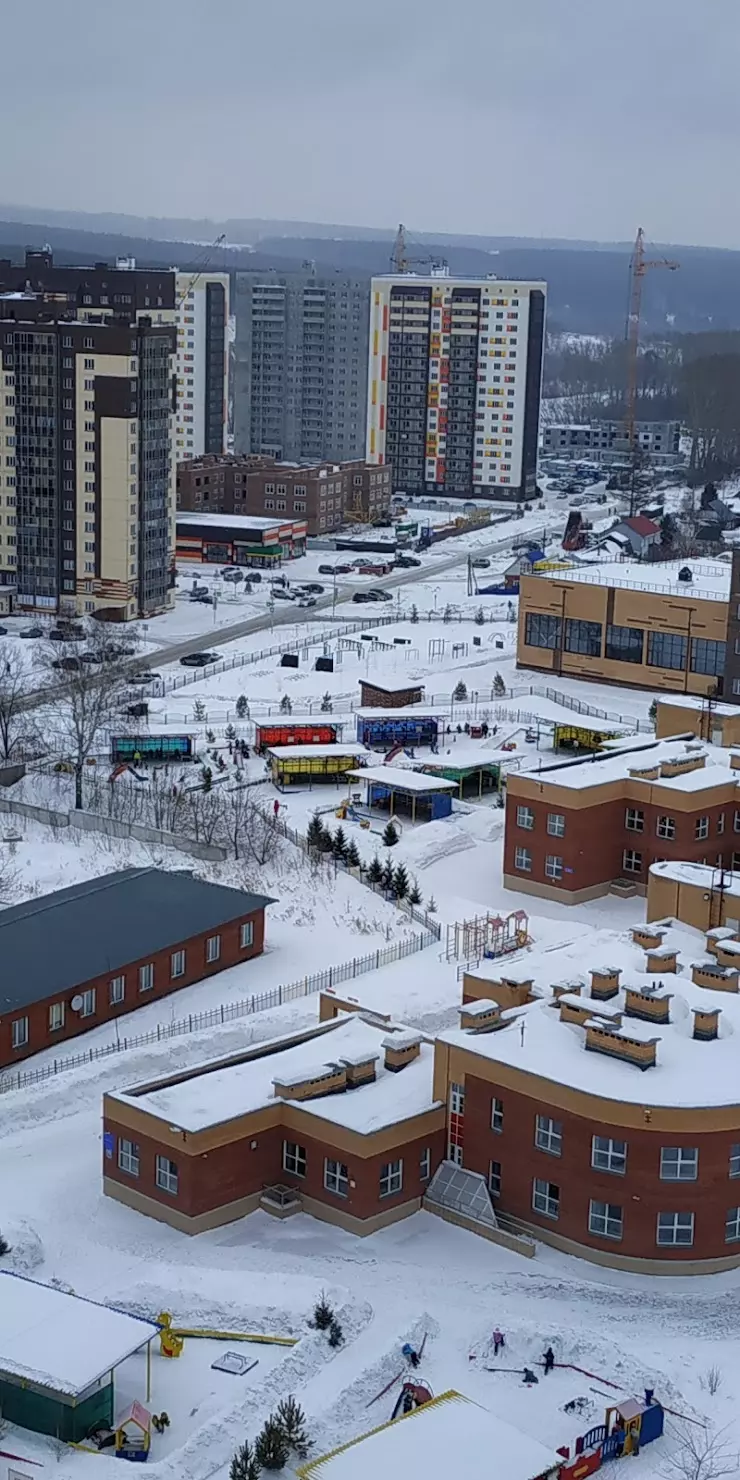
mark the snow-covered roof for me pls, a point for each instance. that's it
(243, 522)
(451, 1436)
(701, 876)
(694, 701)
(710, 579)
(411, 711)
(607, 766)
(62, 1341)
(400, 778)
(687, 1073)
(221, 1092)
(342, 747)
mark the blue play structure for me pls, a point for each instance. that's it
(435, 803)
(382, 730)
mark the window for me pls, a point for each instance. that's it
(294, 1158)
(542, 631)
(128, 1157)
(19, 1032)
(679, 1163)
(525, 818)
(116, 989)
(582, 637)
(166, 1175)
(494, 1178)
(666, 827)
(631, 861)
(213, 947)
(605, 1219)
(546, 1198)
(666, 650)
(457, 1099)
(497, 1115)
(425, 1164)
(735, 1160)
(732, 1226)
(553, 866)
(548, 1135)
(146, 977)
(608, 1155)
(634, 819)
(56, 1017)
(336, 1178)
(701, 828)
(675, 1228)
(246, 935)
(556, 824)
(523, 860)
(720, 823)
(177, 963)
(391, 1178)
(88, 1003)
(707, 656)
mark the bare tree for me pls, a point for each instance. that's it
(701, 1454)
(87, 697)
(18, 729)
(248, 829)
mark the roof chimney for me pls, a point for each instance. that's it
(400, 1049)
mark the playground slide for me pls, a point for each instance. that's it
(204, 1334)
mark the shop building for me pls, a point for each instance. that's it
(238, 539)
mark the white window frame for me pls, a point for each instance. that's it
(494, 1178)
(116, 990)
(457, 1099)
(634, 819)
(128, 1160)
(603, 1220)
(146, 977)
(246, 934)
(525, 818)
(455, 1153)
(425, 1164)
(19, 1032)
(628, 863)
(295, 1160)
(523, 860)
(497, 1116)
(548, 1135)
(56, 1016)
(544, 1200)
(89, 1000)
(166, 1175)
(668, 1223)
(213, 949)
(734, 1159)
(615, 1160)
(665, 827)
(391, 1178)
(556, 824)
(701, 829)
(336, 1177)
(732, 1226)
(553, 866)
(177, 964)
(685, 1160)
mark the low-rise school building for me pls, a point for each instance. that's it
(574, 829)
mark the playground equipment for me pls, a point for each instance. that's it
(170, 1342)
(412, 1395)
(134, 1434)
(205, 1333)
(628, 1424)
(488, 936)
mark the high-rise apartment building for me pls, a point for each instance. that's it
(300, 365)
(202, 363)
(454, 380)
(87, 464)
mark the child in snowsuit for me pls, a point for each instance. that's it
(549, 1360)
(498, 1342)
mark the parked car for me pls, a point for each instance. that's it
(203, 598)
(31, 632)
(343, 570)
(405, 562)
(3, 631)
(481, 563)
(278, 581)
(70, 665)
(233, 575)
(278, 594)
(314, 589)
(139, 710)
(360, 561)
(145, 675)
(113, 650)
(253, 575)
(326, 570)
(378, 594)
(198, 660)
(362, 596)
(307, 601)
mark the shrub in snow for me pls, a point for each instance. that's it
(352, 856)
(386, 878)
(499, 687)
(323, 1315)
(199, 710)
(326, 704)
(230, 732)
(244, 1465)
(414, 895)
(285, 705)
(4, 1246)
(336, 1334)
(242, 707)
(431, 905)
(480, 617)
(460, 691)
(272, 1448)
(292, 1420)
(390, 835)
(414, 614)
(400, 882)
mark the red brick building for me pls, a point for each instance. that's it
(98, 950)
(574, 827)
(325, 495)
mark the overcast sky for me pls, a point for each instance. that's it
(573, 118)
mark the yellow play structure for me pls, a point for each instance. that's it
(172, 1340)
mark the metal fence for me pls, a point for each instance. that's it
(229, 1012)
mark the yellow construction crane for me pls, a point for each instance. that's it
(638, 267)
(401, 261)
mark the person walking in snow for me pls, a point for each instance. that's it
(549, 1360)
(498, 1342)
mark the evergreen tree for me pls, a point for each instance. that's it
(315, 832)
(199, 710)
(326, 704)
(339, 844)
(285, 705)
(653, 713)
(414, 614)
(386, 878)
(480, 617)
(207, 775)
(292, 1420)
(230, 732)
(414, 894)
(242, 707)
(390, 834)
(431, 905)
(272, 1448)
(400, 882)
(447, 613)
(210, 737)
(4, 1245)
(336, 1334)
(352, 856)
(375, 871)
(460, 691)
(323, 1315)
(244, 1464)
(499, 687)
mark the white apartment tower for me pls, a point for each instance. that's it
(454, 383)
(202, 363)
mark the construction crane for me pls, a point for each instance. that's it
(638, 267)
(200, 268)
(400, 260)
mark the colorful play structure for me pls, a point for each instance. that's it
(412, 1395)
(380, 728)
(287, 732)
(134, 1434)
(629, 1423)
(172, 1338)
(487, 936)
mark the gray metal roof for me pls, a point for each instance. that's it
(50, 945)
